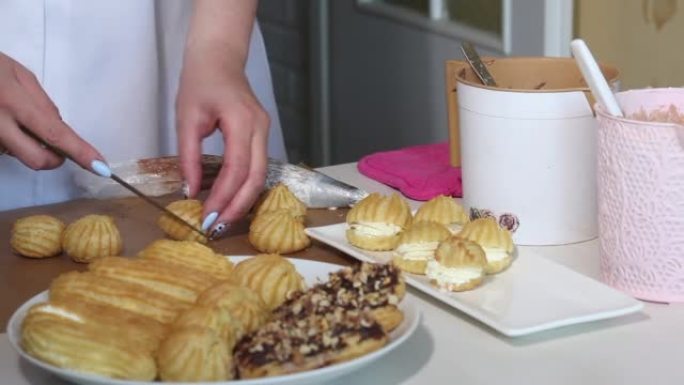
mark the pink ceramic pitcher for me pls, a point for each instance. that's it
(641, 195)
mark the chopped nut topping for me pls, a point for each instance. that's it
(324, 317)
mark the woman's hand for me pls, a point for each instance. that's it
(24, 105)
(214, 94)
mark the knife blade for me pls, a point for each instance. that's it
(118, 180)
(477, 65)
(151, 201)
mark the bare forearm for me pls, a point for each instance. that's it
(222, 29)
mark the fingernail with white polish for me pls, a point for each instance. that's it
(100, 168)
(219, 230)
(186, 190)
(209, 220)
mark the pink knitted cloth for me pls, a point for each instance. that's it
(419, 172)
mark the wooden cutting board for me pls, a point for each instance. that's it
(21, 278)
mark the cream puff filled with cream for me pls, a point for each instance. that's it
(445, 210)
(496, 242)
(417, 246)
(376, 222)
(459, 265)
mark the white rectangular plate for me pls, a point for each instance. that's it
(533, 295)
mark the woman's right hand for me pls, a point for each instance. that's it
(24, 105)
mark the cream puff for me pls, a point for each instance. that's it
(92, 237)
(280, 197)
(417, 246)
(189, 210)
(271, 276)
(194, 354)
(244, 304)
(37, 236)
(376, 222)
(216, 318)
(459, 265)
(496, 242)
(445, 210)
(278, 231)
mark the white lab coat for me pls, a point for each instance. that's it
(112, 68)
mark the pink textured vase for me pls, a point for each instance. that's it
(641, 195)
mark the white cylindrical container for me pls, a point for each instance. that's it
(528, 150)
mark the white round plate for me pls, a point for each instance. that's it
(311, 271)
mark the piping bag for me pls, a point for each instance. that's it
(162, 175)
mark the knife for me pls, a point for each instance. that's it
(118, 180)
(477, 65)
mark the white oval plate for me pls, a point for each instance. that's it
(311, 271)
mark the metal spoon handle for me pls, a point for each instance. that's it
(477, 65)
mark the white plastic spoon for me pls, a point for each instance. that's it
(594, 78)
(598, 85)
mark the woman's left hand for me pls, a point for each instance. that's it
(214, 94)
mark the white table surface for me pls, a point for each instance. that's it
(451, 348)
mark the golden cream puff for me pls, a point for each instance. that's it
(216, 318)
(271, 276)
(191, 211)
(445, 210)
(244, 304)
(376, 222)
(37, 236)
(459, 265)
(278, 231)
(280, 197)
(194, 354)
(496, 242)
(92, 237)
(417, 246)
